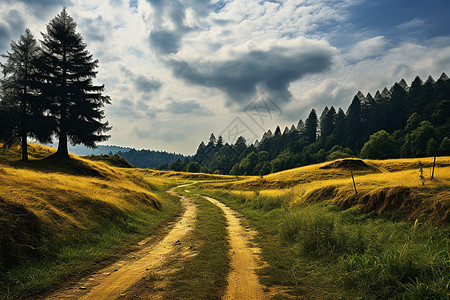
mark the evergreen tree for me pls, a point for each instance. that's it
(311, 124)
(277, 131)
(426, 107)
(67, 70)
(322, 117)
(354, 130)
(414, 94)
(327, 123)
(398, 104)
(212, 141)
(339, 127)
(301, 126)
(22, 110)
(219, 143)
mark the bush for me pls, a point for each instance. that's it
(381, 145)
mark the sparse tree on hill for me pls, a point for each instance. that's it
(22, 110)
(68, 70)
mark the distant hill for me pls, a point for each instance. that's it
(139, 158)
(82, 150)
(151, 159)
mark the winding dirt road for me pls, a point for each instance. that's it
(243, 283)
(129, 277)
(114, 280)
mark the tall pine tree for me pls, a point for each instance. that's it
(311, 125)
(22, 111)
(68, 69)
(353, 125)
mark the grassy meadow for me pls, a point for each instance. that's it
(384, 236)
(323, 240)
(57, 218)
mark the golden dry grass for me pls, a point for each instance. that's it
(54, 199)
(392, 186)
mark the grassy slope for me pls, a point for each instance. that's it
(323, 251)
(57, 218)
(390, 186)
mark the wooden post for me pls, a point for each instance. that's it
(434, 164)
(354, 184)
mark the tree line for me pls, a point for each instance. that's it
(403, 121)
(153, 159)
(47, 90)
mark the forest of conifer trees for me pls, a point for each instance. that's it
(403, 121)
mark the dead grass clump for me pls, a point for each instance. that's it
(386, 199)
(399, 202)
(350, 164)
(20, 233)
(321, 194)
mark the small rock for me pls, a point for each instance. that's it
(247, 227)
(175, 260)
(82, 287)
(147, 269)
(178, 242)
(115, 270)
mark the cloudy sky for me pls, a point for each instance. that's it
(178, 70)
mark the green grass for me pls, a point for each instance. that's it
(322, 251)
(81, 253)
(205, 276)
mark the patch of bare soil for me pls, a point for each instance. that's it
(127, 277)
(243, 282)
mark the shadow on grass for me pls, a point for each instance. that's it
(53, 164)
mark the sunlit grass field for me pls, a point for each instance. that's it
(389, 239)
(58, 217)
(390, 186)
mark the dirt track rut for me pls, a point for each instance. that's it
(123, 278)
(112, 281)
(243, 283)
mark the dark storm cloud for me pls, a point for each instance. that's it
(167, 41)
(95, 29)
(43, 8)
(273, 70)
(191, 107)
(5, 37)
(11, 29)
(146, 85)
(142, 83)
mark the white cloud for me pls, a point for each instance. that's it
(369, 48)
(152, 108)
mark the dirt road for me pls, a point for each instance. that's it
(113, 281)
(242, 280)
(129, 278)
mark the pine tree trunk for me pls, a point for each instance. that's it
(62, 146)
(24, 147)
(24, 133)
